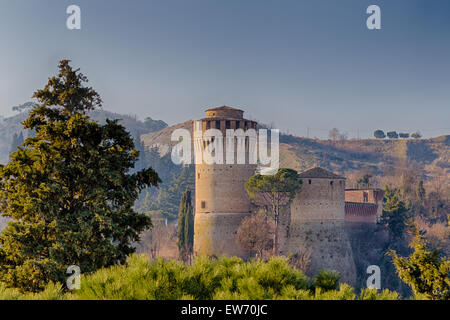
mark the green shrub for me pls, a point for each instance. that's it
(327, 280)
(207, 279)
(372, 294)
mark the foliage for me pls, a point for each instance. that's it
(167, 200)
(425, 270)
(420, 198)
(274, 192)
(255, 234)
(68, 190)
(365, 179)
(379, 134)
(186, 226)
(327, 280)
(395, 215)
(416, 135)
(372, 294)
(207, 279)
(403, 135)
(392, 135)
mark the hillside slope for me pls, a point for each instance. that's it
(13, 125)
(342, 157)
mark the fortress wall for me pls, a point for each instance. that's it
(319, 199)
(215, 234)
(330, 246)
(318, 222)
(284, 230)
(221, 188)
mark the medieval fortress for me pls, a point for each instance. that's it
(315, 219)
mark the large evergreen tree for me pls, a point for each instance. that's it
(68, 189)
(396, 216)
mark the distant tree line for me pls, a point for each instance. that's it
(379, 134)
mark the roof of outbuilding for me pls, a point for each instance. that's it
(360, 209)
(318, 172)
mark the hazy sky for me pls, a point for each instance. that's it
(296, 63)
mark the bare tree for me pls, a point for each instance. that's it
(154, 240)
(301, 259)
(334, 134)
(256, 234)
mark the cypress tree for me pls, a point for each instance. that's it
(13, 143)
(189, 225)
(185, 226)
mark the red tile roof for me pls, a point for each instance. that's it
(360, 209)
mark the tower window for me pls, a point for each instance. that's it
(238, 124)
(203, 204)
(309, 181)
(208, 125)
(331, 183)
(217, 124)
(228, 124)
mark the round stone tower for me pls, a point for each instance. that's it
(221, 201)
(317, 221)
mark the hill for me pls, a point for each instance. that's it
(13, 125)
(378, 157)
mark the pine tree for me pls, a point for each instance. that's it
(395, 216)
(426, 270)
(420, 197)
(13, 143)
(186, 226)
(69, 191)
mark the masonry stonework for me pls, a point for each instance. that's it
(221, 201)
(317, 221)
(315, 218)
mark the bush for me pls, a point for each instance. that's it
(327, 280)
(372, 294)
(207, 279)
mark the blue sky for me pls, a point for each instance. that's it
(297, 64)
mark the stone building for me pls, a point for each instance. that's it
(363, 205)
(317, 221)
(221, 201)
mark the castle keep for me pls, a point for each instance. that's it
(221, 201)
(315, 219)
